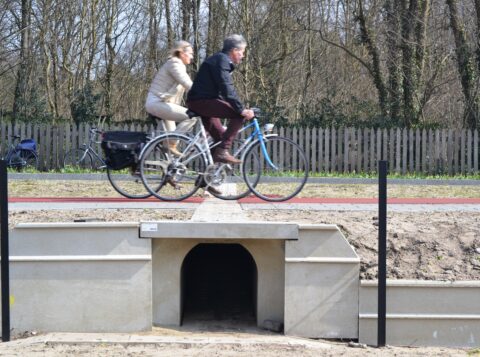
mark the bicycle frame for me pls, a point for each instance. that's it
(255, 135)
(90, 149)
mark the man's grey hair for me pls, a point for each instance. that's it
(233, 41)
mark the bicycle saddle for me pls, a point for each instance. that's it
(192, 114)
(152, 119)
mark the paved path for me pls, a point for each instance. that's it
(221, 210)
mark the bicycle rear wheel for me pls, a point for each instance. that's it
(168, 177)
(280, 179)
(128, 183)
(78, 159)
(29, 159)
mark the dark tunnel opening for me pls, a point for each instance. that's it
(219, 283)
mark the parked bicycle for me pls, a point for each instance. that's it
(86, 157)
(274, 168)
(125, 180)
(22, 155)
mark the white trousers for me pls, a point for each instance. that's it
(170, 113)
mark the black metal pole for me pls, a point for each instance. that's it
(382, 252)
(4, 254)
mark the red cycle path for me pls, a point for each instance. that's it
(251, 199)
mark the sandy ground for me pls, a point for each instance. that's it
(232, 345)
(421, 245)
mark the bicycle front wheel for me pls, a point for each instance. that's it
(78, 159)
(128, 183)
(170, 177)
(277, 173)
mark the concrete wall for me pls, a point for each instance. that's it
(80, 277)
(321, 284)
(423, 313)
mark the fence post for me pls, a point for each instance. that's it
(5, 283)
(382, 252)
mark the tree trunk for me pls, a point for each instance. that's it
(21, 87)
(168, 17)
(466, 67)
(408, 62)
(186, 11)
(93, 37)
(196, 34)
(111, 10)
(152, 39)
(307, 61)
(477, 10)
(393, 60)
(211, 28)
(367, 40)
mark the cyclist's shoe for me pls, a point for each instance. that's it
(172, 147)
(202, 184)
(174, 184)
(222, 155)
(213, 190)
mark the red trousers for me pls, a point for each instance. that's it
(211, 111)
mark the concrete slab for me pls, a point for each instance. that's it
(213, 230)
(186, 339)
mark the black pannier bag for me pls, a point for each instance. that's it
(122, 148)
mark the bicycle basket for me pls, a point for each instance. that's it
(122, 148)
(27, 144)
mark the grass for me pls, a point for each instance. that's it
(394, 175)
(372, 175)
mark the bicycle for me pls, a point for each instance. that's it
(23, 155)
(263, 163)
(126, 182)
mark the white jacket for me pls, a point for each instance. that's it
(171, 81)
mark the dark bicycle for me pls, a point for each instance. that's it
(22, 155)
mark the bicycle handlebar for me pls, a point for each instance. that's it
(95, 130)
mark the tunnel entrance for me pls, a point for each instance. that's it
(219, 284)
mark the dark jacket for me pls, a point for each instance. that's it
(214, 81)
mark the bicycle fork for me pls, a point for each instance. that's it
(261, 138)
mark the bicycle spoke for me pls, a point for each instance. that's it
(78, 159)
(166, 176)
(275, 178)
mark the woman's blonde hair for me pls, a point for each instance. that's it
(178, 47)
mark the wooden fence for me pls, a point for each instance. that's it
(446, 151)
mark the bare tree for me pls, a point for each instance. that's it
(466, 67)
(24, 65)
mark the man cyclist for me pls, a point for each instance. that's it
(213, 96)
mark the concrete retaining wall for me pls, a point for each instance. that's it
(423, 313)
(321, 284)
(80, 277)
